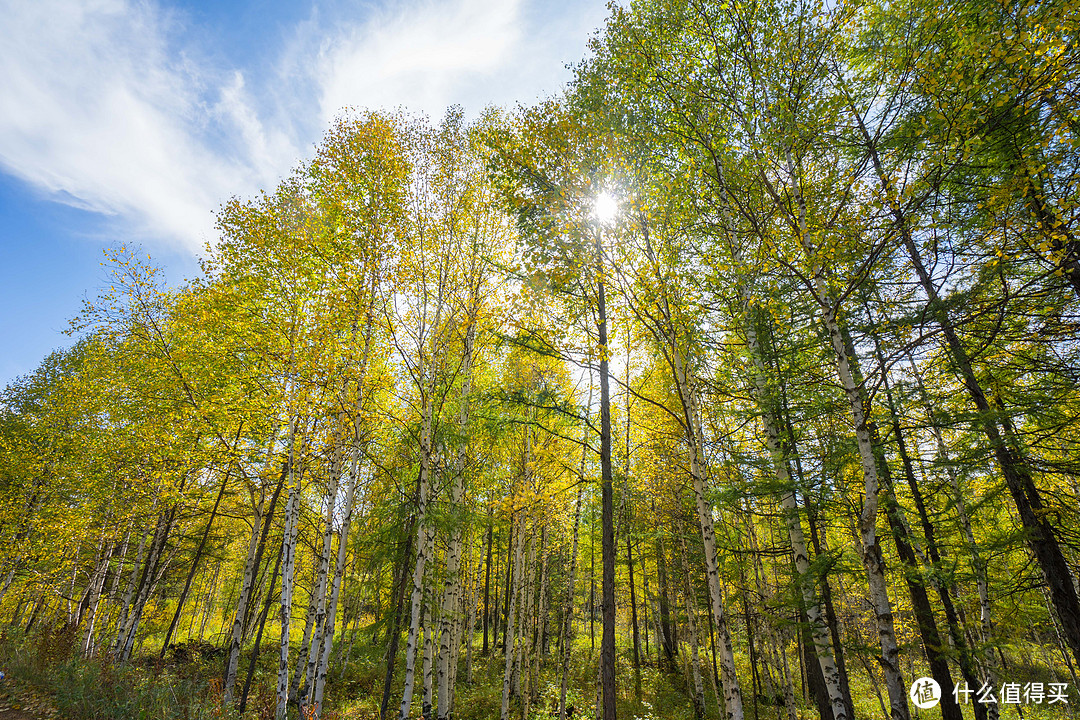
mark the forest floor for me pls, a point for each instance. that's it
(44, 682)
(22, 702)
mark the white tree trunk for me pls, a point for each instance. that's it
(429, 648)
(311, 648)
(872, 558)
(150, 576)
(819, 632)
(691, 616)
(248, 579)
(452, 585)
(511, 620)
(692, 425)
(422, 539)
(129, 594)
(288, 570)
(97, 583)
(323, 666)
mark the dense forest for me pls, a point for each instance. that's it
(740, 380)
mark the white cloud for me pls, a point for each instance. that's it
(104, 113)
(420, 56)
(109, 106)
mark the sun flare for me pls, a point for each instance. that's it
(605, 208)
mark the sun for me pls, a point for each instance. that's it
(605, 208)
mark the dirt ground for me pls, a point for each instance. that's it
(18, 702)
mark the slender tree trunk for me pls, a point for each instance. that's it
(129, 594)
(315, 624)
(198, 555)
(697, 689)
(509, 640)
(998, 429)
(873, 560)
(665, 331)
(633, 613)
(568, 608)
(506, 586)
(429, 647)
(452, 583)
(728, 678)
(830, 612)
(472, 601)
(487, 585)
(667, 638)
(394, 632)
(978, 565)
(960, 647)
(530, 622)
(259, 633)
(97, 583)
(256, 545)
(412, 643)
(288, 570)
(300, 685)
(211, 594)
(607, 542)
(779, 452)
(150, 576)
(422, 542)
(322, 666)
(542, 618)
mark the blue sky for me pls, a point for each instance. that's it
(131, 121)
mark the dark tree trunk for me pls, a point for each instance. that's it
(487, 586)
(955, 632)
(667, 642)
(195, 563)
(830, 613)
(395, 624)
(999, 432)
(633, 611)
(259, 632)
(607, 543)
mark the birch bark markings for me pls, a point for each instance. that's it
(326, 638)
(509, 639)
(256, 545)
(663, 328)
(288, 569)
(872, 558)
(996, 425)
(823, 650)
(452, 588)
(870, 549)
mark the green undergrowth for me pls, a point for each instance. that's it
(186, 685)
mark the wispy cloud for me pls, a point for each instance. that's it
(112, 106)
(425, 55)
(104, 113)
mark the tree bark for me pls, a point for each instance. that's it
(288, 570)
(998, 429)
(697, 689)
(198, 555)
(256, 545)
(452, 583)
(322, 665)
(259, 633)
(779, 454)
(512, 602)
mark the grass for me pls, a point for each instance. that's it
(186, 686)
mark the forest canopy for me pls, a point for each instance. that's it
(740, 379)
